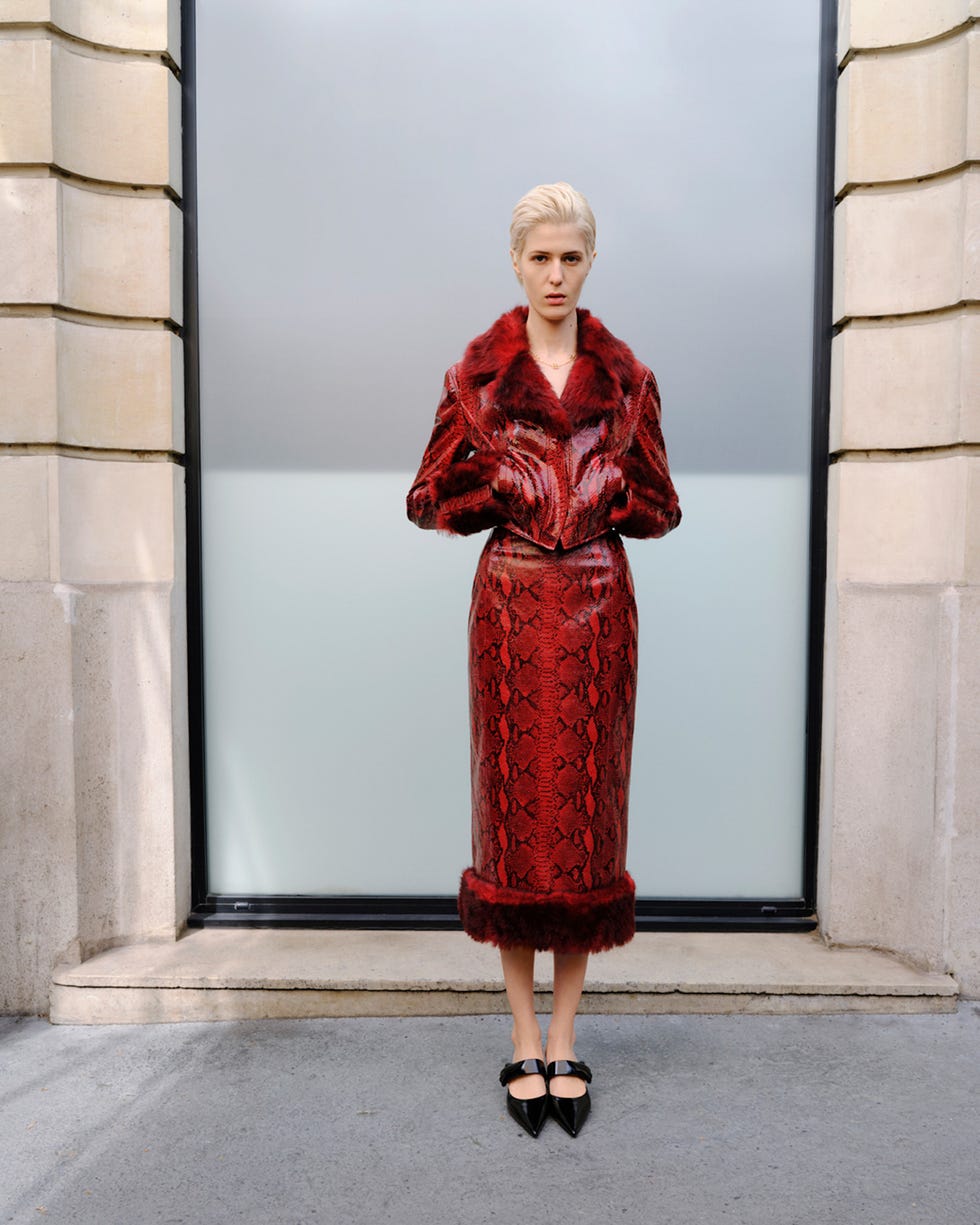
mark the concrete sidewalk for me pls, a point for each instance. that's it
(843, 1119)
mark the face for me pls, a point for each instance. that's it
(552, 268)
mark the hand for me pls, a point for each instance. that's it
(506, 478)
(603, 476)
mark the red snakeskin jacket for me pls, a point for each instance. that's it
(567, 468)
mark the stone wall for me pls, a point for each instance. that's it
(900, 820)
(93, 811)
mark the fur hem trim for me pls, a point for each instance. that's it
(564, 922)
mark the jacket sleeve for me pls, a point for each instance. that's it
(647, 505)
(452, 491)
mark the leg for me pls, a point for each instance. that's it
(569, 981)
(518, 967)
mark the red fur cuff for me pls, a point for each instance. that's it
(461, 499)
(643, 509)
(477, 514)
(564, 922)
(466, 475)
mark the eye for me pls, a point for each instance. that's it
(537, 258)
(573, 259)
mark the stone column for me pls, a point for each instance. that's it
(94, 808)
(900, 809)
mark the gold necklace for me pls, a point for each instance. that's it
(554, 365)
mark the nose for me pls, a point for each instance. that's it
(557, 272)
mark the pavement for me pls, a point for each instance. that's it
(842, 1119)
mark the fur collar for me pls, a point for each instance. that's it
(509, 385)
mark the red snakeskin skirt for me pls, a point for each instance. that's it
(552, 671)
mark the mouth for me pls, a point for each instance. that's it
(555, 297)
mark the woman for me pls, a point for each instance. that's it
(548, 432)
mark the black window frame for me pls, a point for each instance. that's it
(419, 912)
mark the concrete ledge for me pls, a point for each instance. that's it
(223, 975)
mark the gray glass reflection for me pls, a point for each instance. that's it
(359, 163)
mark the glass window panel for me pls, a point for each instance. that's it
(357, 167)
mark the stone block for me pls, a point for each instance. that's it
(38, 900)
(904, 114)
(116, 520)
(94, 837)
(842, 129)
(25, 101)
(777, 963)
(150, 25)
(180, 813)
(971, 236)
(28, 380)
(971, 560)
(24, 11)
(112, 118)
(127, 788)
(163, 1005)
(220, 975)
(120, 387)
(28, 240)
(904, 249)
(972, 99)
(175, 135)
(970, 380)
(121, 255)
(894, 23)
(903, 521)
(960, 799)
(906, 383)
(62, 381)
(26, 542)
(881, 852)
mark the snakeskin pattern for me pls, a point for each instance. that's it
(552, 664)
(552, 669)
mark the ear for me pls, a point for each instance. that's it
(516, 265)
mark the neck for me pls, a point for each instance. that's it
(552, 338)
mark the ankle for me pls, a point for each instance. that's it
(561, 1045)
(527, 1043)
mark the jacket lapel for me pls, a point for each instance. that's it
(508, 384)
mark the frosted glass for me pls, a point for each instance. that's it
(357, 164)
(357, 167)
(338, 738)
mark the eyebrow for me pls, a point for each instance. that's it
(571, 251)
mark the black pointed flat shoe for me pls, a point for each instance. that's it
(570, 1112)
(529, 1112)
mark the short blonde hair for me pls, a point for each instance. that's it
(551, 204)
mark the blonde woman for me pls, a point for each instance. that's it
(548, 433)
